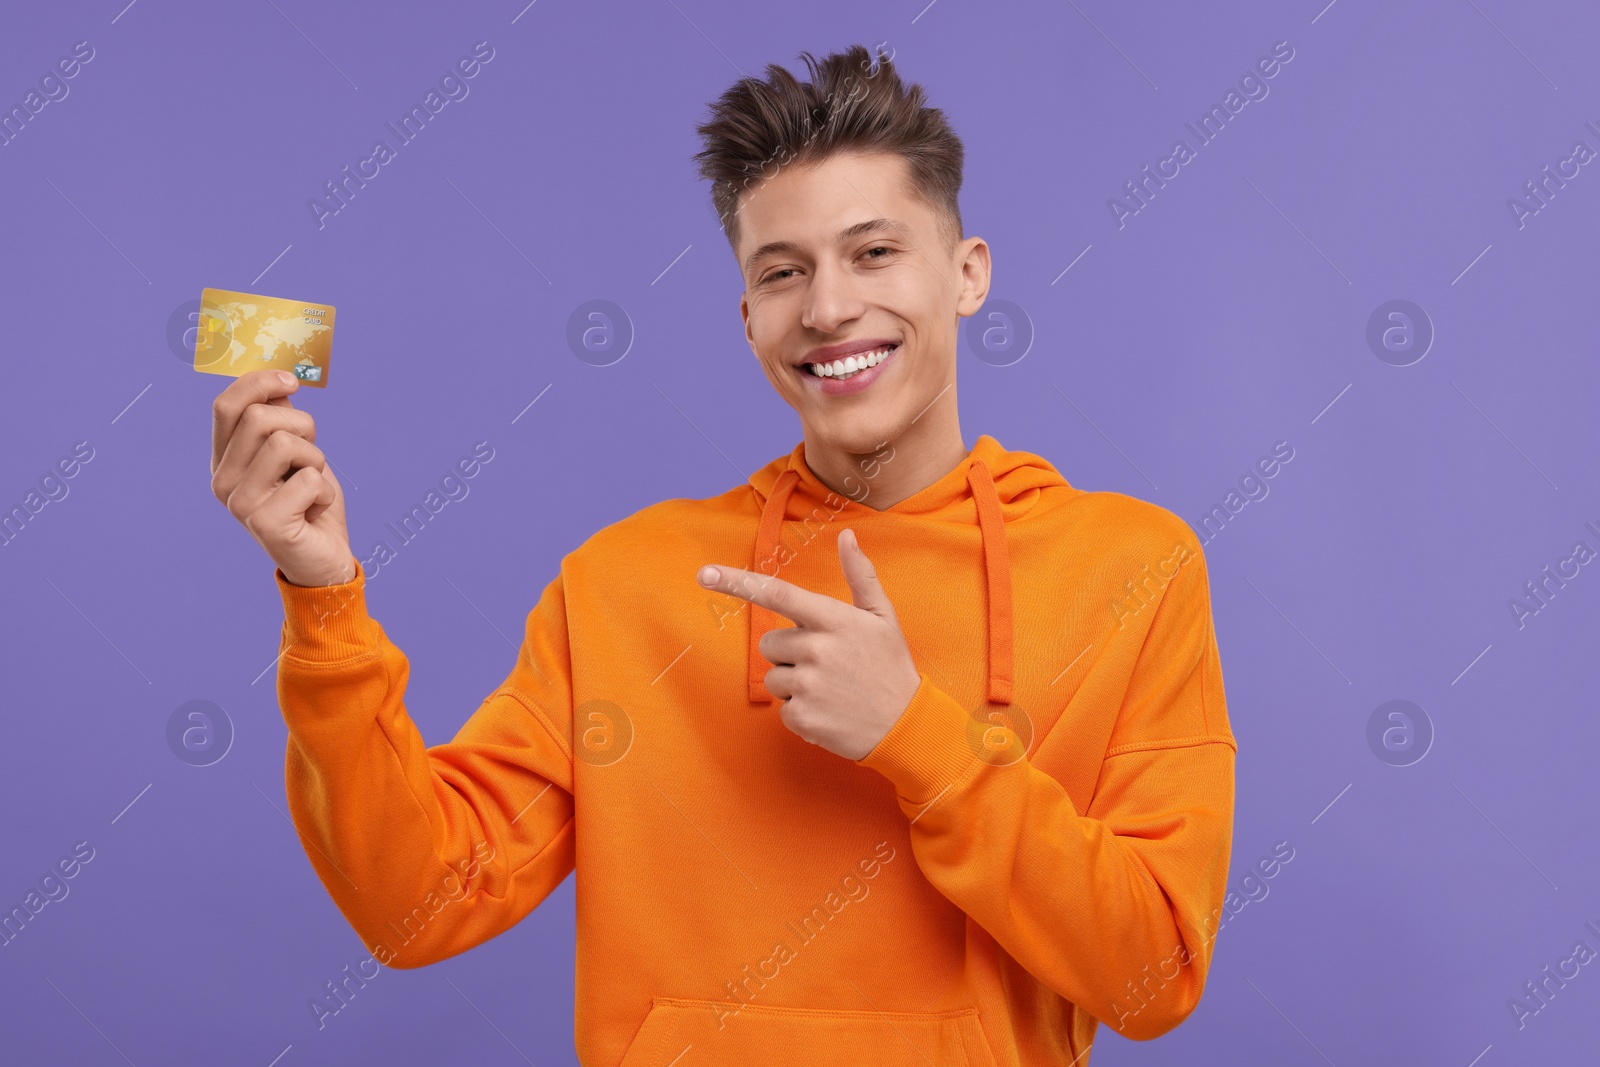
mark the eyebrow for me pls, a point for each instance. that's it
(773, 248)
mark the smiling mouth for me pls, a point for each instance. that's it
(848, 367)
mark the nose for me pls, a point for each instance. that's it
(831, 299)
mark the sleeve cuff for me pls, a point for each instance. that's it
(325, 623)
(931, 745)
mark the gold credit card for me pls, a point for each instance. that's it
(241, 332)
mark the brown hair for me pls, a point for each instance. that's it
(855, 101)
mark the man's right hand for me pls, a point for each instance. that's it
(274, 480)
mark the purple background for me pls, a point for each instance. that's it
(1229, 314)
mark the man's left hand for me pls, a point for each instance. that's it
(844, 671)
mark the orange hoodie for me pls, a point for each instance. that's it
(1040, 843)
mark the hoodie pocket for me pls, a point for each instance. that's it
(711, 1033)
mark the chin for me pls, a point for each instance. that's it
(862, 433)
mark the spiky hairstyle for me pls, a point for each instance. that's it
(854, 102)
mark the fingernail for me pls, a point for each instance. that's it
(285, 377)
(710, 576)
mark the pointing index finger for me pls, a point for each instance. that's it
(801, 606)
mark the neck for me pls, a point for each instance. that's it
(893, 469)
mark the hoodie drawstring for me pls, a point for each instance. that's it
(996, 569)
(763, 619)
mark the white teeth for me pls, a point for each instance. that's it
(850, 365)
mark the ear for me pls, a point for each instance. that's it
(744, 314)
(972, 259)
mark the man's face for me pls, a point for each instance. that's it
(846, 257)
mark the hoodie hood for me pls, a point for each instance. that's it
(990, 488)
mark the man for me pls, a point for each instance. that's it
(898, 754)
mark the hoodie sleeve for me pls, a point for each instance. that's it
(1113, 907)
(426, 851)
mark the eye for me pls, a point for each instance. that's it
(879, 248)
(776, 275)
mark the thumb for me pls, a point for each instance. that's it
(866, 592)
